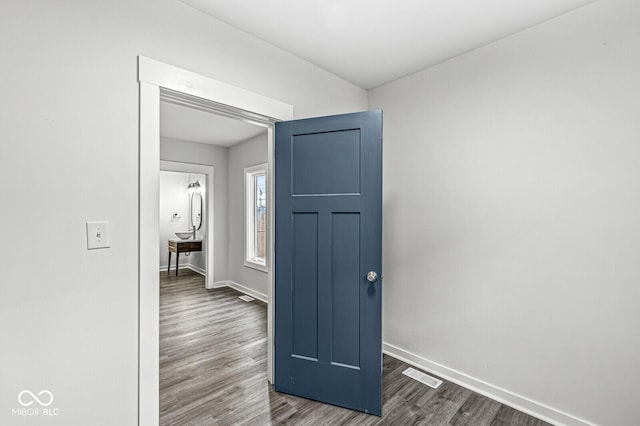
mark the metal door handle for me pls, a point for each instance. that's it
(372, 277)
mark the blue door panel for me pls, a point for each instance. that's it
(328, 235)
(318, 170)
(345, 289)
(305, 286)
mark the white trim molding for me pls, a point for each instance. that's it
(189, 266)
(511, 399)
(220, 284)
(180, 80)
(198, 270)
(149, 257)
(271, 249)
(242, 289)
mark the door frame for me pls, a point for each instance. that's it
(156, 81)
(208, 171)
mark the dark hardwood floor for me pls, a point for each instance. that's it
(213, 371)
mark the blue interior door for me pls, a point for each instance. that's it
(328, 259)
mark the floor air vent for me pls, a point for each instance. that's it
(246, 298)
(422, 377)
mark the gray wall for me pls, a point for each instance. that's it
(208, 155)
(248, 153)
(69, 130)
(512, 198)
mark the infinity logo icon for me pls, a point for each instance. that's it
(33, 398)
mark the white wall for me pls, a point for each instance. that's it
(245, 154)
(69, 130)
(208, 155)
(174, 199)
(512, 206)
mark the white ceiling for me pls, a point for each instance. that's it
(179, 122)
(372, 42)
(366, 42)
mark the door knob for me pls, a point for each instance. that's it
(372, 277)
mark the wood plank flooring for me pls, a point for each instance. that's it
(213, 371)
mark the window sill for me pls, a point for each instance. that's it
(257, 266)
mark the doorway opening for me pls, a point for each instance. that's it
(186, 201)
(204, 325)
(162, 82)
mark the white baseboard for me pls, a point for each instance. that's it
(248, 291)
(519, 402)
(185, 266)
(163, 268)
(242, 289)
(197, 269)
(220, 284)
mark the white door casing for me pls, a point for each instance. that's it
(159, 80)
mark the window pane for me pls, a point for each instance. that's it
(260, 224)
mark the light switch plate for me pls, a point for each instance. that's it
(97, 235)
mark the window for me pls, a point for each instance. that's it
(255, 189)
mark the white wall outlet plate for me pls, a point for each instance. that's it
(97, 235)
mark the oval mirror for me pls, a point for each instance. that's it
(196, 210)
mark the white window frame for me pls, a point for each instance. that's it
(250, 258)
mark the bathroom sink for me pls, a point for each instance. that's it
(184, 235)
